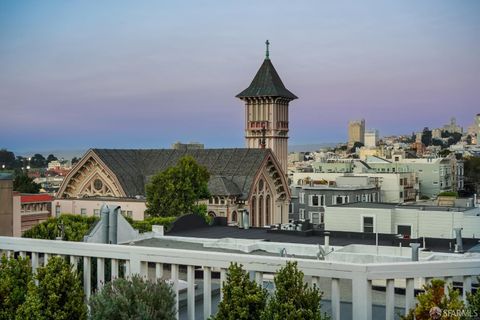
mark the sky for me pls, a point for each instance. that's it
(144, 74)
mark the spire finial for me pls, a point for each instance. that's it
(267, 53)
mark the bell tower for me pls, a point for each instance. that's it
(266, 111)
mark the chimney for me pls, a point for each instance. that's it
(415, 247)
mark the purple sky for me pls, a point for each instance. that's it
(143, 74)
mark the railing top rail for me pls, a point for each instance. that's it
(251, 262)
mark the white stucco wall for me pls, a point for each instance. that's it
(74, 206)
(424, 223)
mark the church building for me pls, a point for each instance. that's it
(251, 179)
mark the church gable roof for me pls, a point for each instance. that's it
(232, 171)
(267, 83)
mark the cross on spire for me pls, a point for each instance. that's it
(267, 53)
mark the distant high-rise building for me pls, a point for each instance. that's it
(452, 127)
(371, 138)
(266, 115)
(356, 132)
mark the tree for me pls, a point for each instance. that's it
(433, 300)
(51, 158)
(242, 298)
(7, 158)
(134, 298)
(176, 190)
(472, 175)
(15, 274)
(58, 295)
(473, 307)
(75, 227)
(75, 160)
(427, 136)
(24, 184)
(38, 161)
(293, 299)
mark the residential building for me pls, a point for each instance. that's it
(266, 112)
(412, 221)
(453, 127)
(371, 138)
(30, 210)
(310, 199)
(356, 132)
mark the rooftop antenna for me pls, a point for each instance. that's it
(267, 53)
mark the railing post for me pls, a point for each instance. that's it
(362, 297)
(158, 271)
(114, 269)
(87, 286)
(259, 278)
(390, 300)
(191, 292)
(467, 286)
(134, 266)
(448, 284)
(335, 299)
(174, 277)
(315, 282)
(45, 259)
(100, 273)
(23, 254)
(409, 294)
(74, 262)
(207, 292)
(223, 278)
(144, 269)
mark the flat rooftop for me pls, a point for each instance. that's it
(378, 205)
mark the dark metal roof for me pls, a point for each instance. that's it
(267, 83)
(232, 171)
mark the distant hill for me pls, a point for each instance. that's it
(310, 147)
(66, 154)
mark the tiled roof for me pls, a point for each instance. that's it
(24, 198)
(231, 170)
(267, 83)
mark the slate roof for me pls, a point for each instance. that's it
(232, 171)
(267, 83)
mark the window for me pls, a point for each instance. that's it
(96, 212)
(301, 197)
(315, 200)
(315, 217)
(291, 207)
(401, 182)
(435, 182)
(57, 211)
(368, 225)
(405, 231)
(339, 200)
(210, 201)
(401, 194)
(302, 214)
(129, 214)
(83, 211)
(234, 216)
(123, 212)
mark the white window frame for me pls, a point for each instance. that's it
(362, 227)
(301, 214)
(301, 197)
(83, 211)
(310, 214)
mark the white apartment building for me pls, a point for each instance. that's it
(371, 138)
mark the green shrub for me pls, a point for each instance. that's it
(293, 299)
(473, 300)
(146, 225)
(75, 228)
(242, 298)
(448, 194)
(424, 198)
(58, 295)
(15, 275)
(434, 297)
(133, 299)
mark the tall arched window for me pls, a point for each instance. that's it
(261, 212)
(267, 211)
(253, 211)
(234, 216)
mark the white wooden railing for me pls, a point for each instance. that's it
(136, 260)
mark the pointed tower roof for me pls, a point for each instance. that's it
(267, 83)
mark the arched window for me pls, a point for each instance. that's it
(253, 211)
(234, 216)
(212, 214)
(267, 211)
(261, 212)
